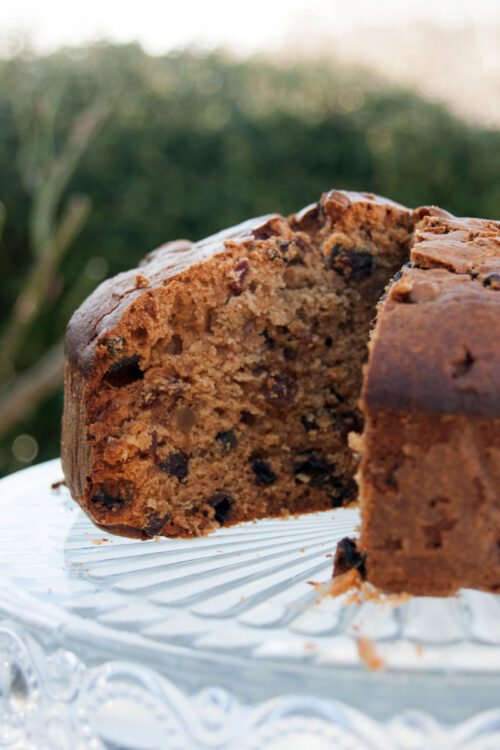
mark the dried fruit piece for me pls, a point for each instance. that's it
(221, 502)
(288, 251)
(348, 557)
(343, 493)
(313, 469)
(237, 276)
(280, 390)
(227, 439)
(175, 465)
(103, 498)
(269, 341)
(351, 263)
(263, 473)
(309, 422)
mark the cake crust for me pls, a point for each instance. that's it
(106, 305)
(441, 312)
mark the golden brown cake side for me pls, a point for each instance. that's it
(218, 381)
(430, 472)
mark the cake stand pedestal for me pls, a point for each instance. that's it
(222, 642)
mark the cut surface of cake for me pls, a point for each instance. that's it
(218, 382)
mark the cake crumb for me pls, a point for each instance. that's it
(368, 654)
(56, 485)
(354, 598)
(141, 282)
(372, 594)
(100, 541)
(345, 582)
(357, 591)
(356, 442)
(317, 586)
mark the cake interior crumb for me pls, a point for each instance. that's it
(238, 401)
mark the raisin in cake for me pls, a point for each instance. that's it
(218, 382)
(430, 473)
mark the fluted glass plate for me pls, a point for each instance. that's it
(238, 609)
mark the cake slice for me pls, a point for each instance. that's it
(430, 471)
(218, 382)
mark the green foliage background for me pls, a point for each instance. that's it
(196, 143)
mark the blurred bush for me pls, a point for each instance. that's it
(106, 152)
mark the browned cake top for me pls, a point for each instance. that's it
(442, 312)
(104, 308)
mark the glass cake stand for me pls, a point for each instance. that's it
(222, 642)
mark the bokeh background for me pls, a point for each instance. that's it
(121, 128)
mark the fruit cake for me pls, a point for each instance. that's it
(430, 471)
(219, 381)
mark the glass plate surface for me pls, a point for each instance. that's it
(237, 609)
